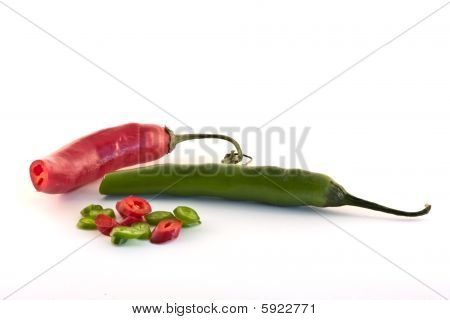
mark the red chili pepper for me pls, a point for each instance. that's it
(133, 206)
(166, 230)
(128, 221)
(89, 158)
(105, 224)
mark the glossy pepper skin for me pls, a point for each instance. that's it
(133, 206)
(90, 157)
(105, 224)
(271, 185)
(166, 230)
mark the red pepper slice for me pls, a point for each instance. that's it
(105, 224)
(133, 206)
(128, 221)
(166, 230)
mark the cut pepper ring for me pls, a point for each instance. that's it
(39, 174)
(133, 206)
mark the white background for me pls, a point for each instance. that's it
(381, 129)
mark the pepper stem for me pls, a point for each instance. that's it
(358, 202)
(177, 138)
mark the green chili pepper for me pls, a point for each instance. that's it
(155, 217)
(86, 212)
(109, 212)
(145, 227)
(271, 185)
(186, 215)
(127, 232)
(190, 224)
(86, 224)
(117, 240)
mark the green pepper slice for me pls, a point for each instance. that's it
(127, 232)
(144, 226)
(155, 217)
(86, 224)
(109, 212)
(186, 215)
(117, 240)
(191, 224)
(87, 211)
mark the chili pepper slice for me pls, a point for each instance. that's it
(156, 216)
(186, 215)
(108, 212)
(86, 212)
(117, 240)
(128, 221)
(166, 230)
(127, 232)
(144, 226)
(86, 224)
(105, 224)
(133, 206)
(192, 224)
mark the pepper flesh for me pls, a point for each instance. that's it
(271, 185)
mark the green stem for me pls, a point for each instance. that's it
(358, 202)
(177, 138)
